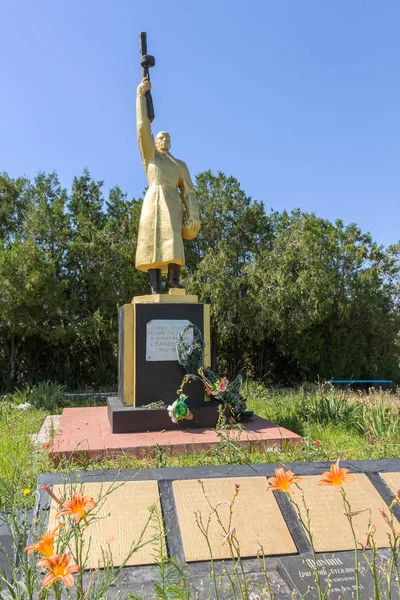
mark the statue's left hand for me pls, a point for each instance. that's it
(194, 224)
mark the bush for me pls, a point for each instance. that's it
(327, 406)
(379, 418)
(47, 395)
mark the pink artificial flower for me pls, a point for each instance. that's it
(223, 384)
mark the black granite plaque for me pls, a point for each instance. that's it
(336, 572)
(159, 380)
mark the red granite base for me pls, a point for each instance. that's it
(86, 432)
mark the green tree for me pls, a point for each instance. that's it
(13, 202)
(327, 301)
(233, 228)
(31, 282)
(101, 276)
(292, 296)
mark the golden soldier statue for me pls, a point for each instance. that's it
(162, 222)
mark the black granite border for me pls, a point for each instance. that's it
(165, 477)
(295, 527)
(170, 516)
(208, 472)
(199, 572)
(385, 492)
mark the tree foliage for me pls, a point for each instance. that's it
(66, 265)
(293, 297)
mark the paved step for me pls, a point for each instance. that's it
(47, 430)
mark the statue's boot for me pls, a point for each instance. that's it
(174, 272)
(155, 280)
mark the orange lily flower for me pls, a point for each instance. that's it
(336, 477)
(77, 507)
(46, 545)
(60, 569)
(282, 481)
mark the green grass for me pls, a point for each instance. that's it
(332, 424)
(19, 464)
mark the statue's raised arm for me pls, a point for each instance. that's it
(145, 136)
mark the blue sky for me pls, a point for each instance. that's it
(298, 99)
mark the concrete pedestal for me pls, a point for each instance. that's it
(148, 369)
(130, 419)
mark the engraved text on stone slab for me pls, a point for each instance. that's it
(329, 525)
(114, 525)
(162, 337)
(256, 519)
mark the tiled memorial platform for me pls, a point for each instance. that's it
(264, 523)
(87, 431)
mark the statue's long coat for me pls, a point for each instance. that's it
(160, 229)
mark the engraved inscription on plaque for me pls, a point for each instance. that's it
(336, 572)
(162, 337)
(120, 520)
(256, 518)
(392, 480)
(329, 525)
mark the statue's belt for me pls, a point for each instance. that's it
(164, 185)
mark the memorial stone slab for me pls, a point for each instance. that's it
(120, 520)
(256, 519)
(336, 573)
(287, 563)
(329, 525)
